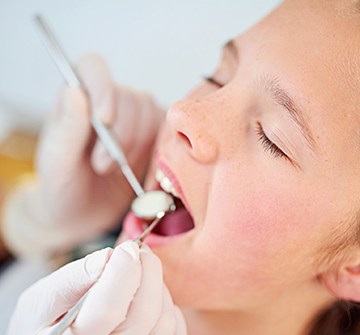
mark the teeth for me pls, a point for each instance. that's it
(165, 183)
(159, 175)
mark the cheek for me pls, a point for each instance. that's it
(261, 230)
(255, 242)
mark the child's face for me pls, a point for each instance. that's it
(264, 207)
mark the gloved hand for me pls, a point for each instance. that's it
(127, 296)
(79, 184)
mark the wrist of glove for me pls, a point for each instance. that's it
(126, 296)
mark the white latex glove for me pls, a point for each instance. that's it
(79, 183)
(127, 296)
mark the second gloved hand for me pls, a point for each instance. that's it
(79, 185)
(127, 296)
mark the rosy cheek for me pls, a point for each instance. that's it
(258, 226)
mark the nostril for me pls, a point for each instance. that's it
(184, 138)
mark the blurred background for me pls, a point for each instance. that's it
(161, 46)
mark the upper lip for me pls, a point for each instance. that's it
(175, 182)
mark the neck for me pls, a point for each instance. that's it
(284, 315)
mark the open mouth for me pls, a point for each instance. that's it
(173, 225)
(179, 221)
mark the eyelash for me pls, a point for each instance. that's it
(213, 81)
(267, 144)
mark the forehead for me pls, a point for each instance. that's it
(314, 46)
(322, 39)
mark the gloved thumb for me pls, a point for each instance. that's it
(51, 297)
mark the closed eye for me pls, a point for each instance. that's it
(268, 145)
(213, 81)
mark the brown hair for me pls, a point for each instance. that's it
(342, 318)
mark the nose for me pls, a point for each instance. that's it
(194, 125)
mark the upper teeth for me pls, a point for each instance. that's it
(165, 183)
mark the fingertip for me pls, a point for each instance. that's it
(98, 82)
(131, 248)
(94, 263)
(108, 302)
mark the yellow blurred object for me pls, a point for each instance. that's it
(16, 158)
(16, 162)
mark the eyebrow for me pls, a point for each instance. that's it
(272, 86)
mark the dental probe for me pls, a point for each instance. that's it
(147, 205)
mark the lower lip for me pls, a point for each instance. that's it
(133, 228)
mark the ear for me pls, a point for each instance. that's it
(344, 280)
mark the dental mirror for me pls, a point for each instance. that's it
(152, 205)
(149, 204)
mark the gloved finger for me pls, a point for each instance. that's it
(96, 78)
(71, 128)
(126, 117)
(147, 304)
(54, 295)
(180, 322)
(172, 321)
(166, 325)
(100, 89)
(109, 299)
(136, 128)
(152, 115)
(136, 122)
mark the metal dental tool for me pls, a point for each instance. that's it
(147, 205)
(151, 205)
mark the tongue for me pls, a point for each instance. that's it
(175, 223)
